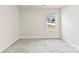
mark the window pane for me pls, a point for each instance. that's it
(51, 22)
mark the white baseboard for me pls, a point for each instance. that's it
(7, 45)
(38, 38)
(72, 45)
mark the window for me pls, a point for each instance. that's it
(51, 21)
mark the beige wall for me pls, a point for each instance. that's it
(9, 25)
(33, 23)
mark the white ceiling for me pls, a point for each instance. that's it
(41, 6)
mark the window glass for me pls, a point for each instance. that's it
(51, 21)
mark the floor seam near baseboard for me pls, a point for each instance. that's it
(8, 45)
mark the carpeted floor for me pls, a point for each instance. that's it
(40, 46)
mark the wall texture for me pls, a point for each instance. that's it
(33, 23)
(70, 25)
(9, 25)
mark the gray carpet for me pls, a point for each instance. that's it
(40, 46)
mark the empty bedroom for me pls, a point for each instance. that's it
(39, 29)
